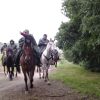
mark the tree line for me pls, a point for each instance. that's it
(80, 37)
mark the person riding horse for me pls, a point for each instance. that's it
(13, 47)
(3, 58)
(28, 37)
(3, 47)
(43, 43)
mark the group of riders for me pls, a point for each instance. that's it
(17, 51)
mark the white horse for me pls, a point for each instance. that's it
(46, 60)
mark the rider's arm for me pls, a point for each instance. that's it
(30, 37)
(42, 43)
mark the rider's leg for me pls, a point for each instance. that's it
(17, 60)
(37, 55)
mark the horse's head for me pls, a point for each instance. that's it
(27, 49)
(50, 46)
(9, 52)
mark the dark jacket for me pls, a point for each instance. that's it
(42, 44)
(13, 47)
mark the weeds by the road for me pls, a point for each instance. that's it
(78, 78)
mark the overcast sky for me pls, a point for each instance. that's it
(39, 16)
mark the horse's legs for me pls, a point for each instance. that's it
(39, 72)
(46, 74)
(55, 63)
(12, 70)
(4, 70)
(43, 74)
(31, 78)
(37, 69)
(48, 82)
(25, 79)
(9, 72)
(16, 71)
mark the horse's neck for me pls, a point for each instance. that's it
(47, 52)
(27, 50)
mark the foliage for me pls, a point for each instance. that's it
(80, 37)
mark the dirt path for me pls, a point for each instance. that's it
(14, 90)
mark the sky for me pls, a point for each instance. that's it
(38, 16)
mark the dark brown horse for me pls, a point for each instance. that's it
(10, 63)
(55, 56)
(27, 62)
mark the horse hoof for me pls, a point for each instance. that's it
(45, 80)
(31, 86)
(48, 83)
(43, 77)
(26, 92)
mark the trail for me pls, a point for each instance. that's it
(14, 90)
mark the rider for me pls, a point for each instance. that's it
(26, 35)
(4, 47)
(43, 43)
(19, 52)
(13, 46)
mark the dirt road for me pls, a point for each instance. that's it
(14, 90)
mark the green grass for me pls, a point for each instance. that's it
(78, 78)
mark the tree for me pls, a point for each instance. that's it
(80, 37)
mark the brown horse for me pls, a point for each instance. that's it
(27, 62)
(10, 63)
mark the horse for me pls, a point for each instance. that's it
(55, 56)
(10, 63)
(28, 62)
(3, 59)
(46, 60)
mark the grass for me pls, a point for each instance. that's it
(78, 78)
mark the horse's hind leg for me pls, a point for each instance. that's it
(16, 71)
